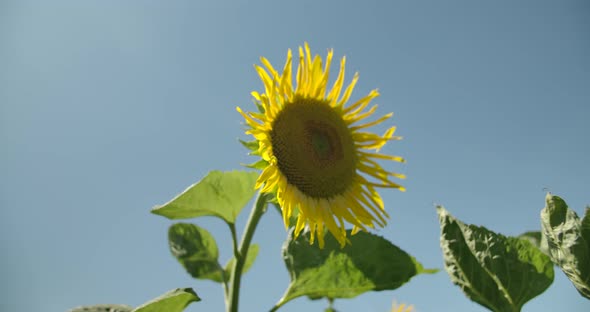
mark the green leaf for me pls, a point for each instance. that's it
(220, 194)
(569, 241)
(196, 250)
(501, 273)
(369, 262)
(103, 308)
(173, 301)
(537, 239)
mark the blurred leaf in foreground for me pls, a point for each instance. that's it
(196, 249)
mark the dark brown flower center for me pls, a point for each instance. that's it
(314, 148)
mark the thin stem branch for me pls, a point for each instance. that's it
(242, 253)
(234, 239)
(225, 283)
(281, 301)
(273, 309)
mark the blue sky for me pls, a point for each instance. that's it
(109, 108)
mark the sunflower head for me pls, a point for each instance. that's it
(319, 159)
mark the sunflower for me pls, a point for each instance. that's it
(316, 154)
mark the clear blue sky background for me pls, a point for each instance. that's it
(108, 108)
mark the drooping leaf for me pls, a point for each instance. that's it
(103, 308)
(537, 239)
(569, 241)
(501, 273)
(220, 194)
(173, 301)
(196, 249)
(369, 262)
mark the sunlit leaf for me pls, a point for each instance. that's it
(501, 273)
(369, 262)
(220, 194)
(569, 241)
(196, 250)
(173, 301)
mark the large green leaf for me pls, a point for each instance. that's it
(369, 262)
(501, 273)
(569, 241)
(220, 194)
(173, 301)
(196, 250)
(103, 308)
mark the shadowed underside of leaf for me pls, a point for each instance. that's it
(196, 249)
(369, 262)
(569, 241)
(501, 273)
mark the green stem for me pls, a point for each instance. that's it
(273, 309)
(236, 274)
(234, 239)
(225, 284)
